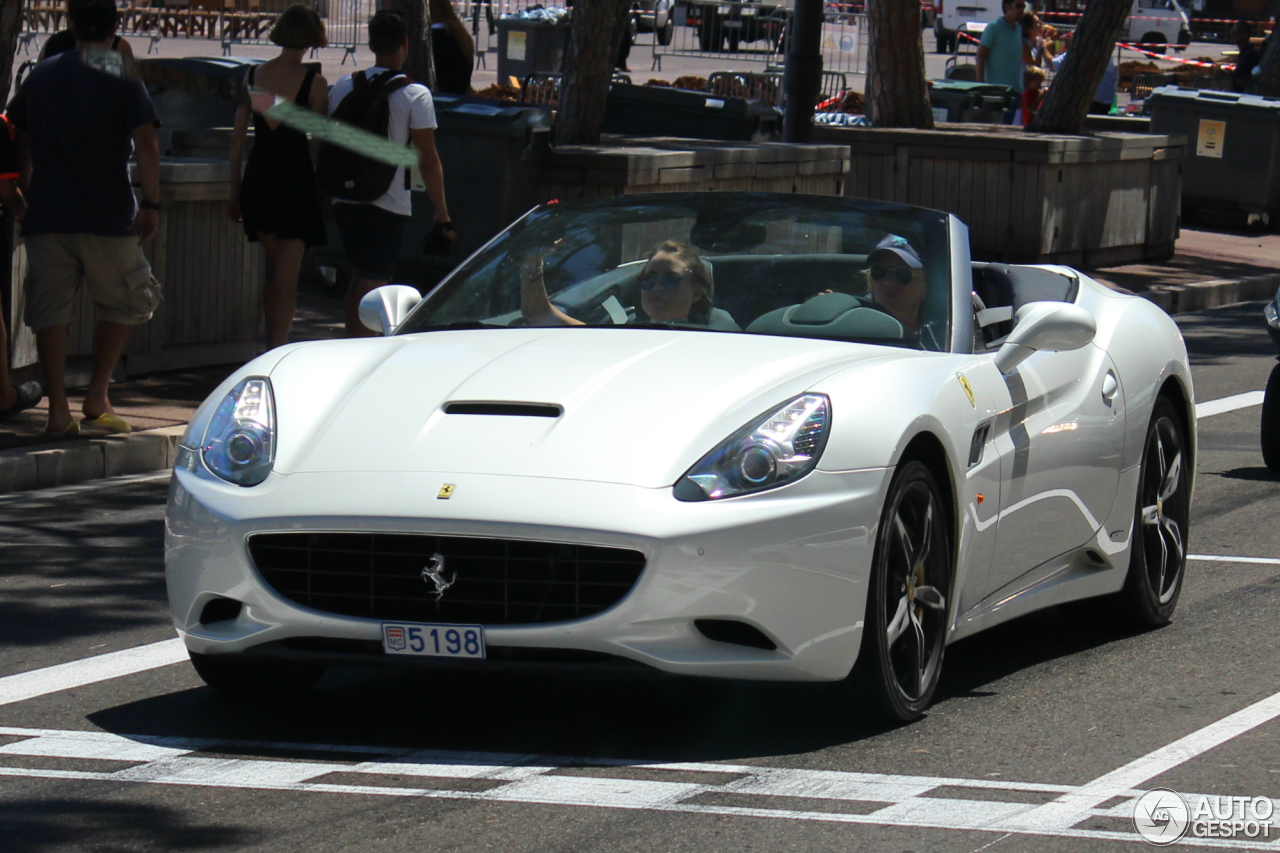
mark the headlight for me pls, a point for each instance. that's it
(240, 443)
(777, 449)
(1272, 315)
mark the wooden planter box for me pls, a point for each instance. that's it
(1086, 201)
(628, 166)
(212, 281)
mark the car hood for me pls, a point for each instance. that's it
(639, 406)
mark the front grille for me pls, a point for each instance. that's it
(495, 581)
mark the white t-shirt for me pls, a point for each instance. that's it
(411, 109)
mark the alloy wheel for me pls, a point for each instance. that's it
(1163, 510)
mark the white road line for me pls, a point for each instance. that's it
(38, 682)
(725, 789)
(1222, 405)
(1260, 561)
(1069, 809)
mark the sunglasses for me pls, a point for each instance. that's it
(666, 280)
(880, 272)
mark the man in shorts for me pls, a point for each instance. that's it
(78, 118)
(372, 232)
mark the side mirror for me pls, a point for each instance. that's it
(1049, 326)
(384, 308)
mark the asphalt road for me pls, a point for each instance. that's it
(1029, 712)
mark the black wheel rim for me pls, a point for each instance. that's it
(1163, 510)
(915, 573)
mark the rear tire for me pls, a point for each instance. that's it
(666, 34)
(1271, 422)
(904, 634)
(254, 677)
(1158, 558)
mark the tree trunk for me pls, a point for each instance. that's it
(10, 27)
(420, 64)
(588, 66)
(896, 92)
(1268, 80)
(1067, 102)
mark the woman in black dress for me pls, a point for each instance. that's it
(277, 198)
(453, 49)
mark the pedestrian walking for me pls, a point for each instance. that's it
(452, 48)
(13, 398)
(1105, 95)
(65, 40)
(1000, 51)
(1036, 51)
(1248, 59)
(372, 206)
(276, 199)
(78, 118)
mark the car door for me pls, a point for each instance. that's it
(1060, 439)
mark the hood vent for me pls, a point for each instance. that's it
(513, 410)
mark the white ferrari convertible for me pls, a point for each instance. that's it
(734, 435)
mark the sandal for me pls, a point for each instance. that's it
(29, 393)
(107, 422)
(71, 430)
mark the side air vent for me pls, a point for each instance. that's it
(512, 410)
(734, 632)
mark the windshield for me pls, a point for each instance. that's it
(747, 263)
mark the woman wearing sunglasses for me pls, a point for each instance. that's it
(895, 276)
(675, 287)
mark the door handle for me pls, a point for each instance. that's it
(1110, 385)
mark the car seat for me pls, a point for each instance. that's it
(834, 316)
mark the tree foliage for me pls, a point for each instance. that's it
(1067, 102)
(897, 95)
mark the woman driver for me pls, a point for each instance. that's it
(895, 275)
(675, 285)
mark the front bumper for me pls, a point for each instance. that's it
(792, 562)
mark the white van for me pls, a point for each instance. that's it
(1154, 22)
(1157, 22)
(963, 16)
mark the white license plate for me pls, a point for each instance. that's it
(426, 639)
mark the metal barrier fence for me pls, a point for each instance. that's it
(755, 32)
(221, 20)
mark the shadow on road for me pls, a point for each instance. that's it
(659, 719)
(86, 823)
(1223, 334)
(91, 563)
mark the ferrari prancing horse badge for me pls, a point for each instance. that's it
(968, 389)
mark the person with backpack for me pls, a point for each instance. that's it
(372, 204)
(277, 200)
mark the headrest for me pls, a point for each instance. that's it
(836, 316)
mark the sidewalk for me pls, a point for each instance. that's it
(1209, 269)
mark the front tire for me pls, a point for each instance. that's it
(254, 677)
(905, 625)
(666, 34)
(1271, 422)
(1158, 560)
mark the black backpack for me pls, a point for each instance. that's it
(344, 174)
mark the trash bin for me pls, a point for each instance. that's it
(195, 92)
(526, 46)
(1233, 144)
(661, 111)
(964, 100)
(488, 152)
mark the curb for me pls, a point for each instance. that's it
(1185, 298)
(65, 463)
